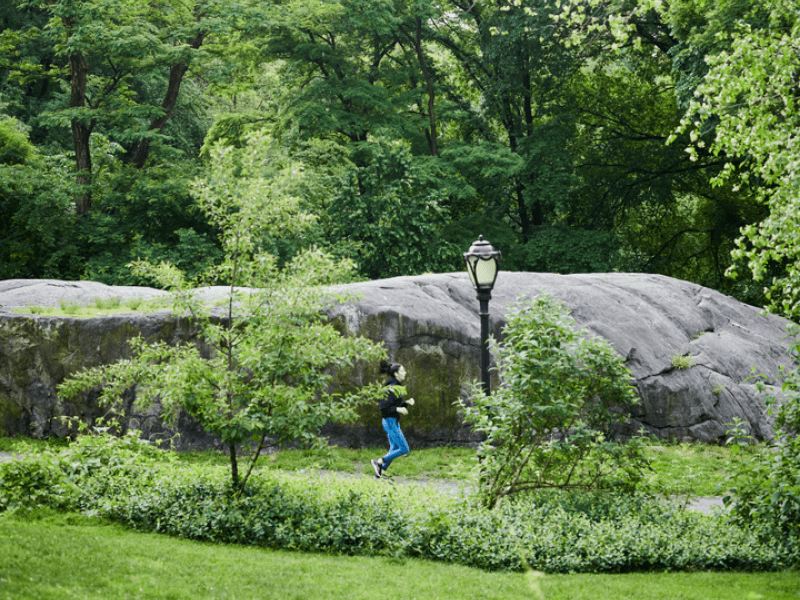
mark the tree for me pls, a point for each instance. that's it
(263, 367)
(747, 107)
(550, 423)
(737, 66)
(356, 67)
(124, 64)
(654, 184)
(388, 211)
(38, 228)
(513, 64)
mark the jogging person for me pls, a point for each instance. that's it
(392, 406)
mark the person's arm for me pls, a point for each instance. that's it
(396, 403)
(401, 406)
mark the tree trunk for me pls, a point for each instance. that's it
(429, 84)
(80, 131)
(234, 466)
(176, 74)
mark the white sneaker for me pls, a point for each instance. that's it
(377, 467)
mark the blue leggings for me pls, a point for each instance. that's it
(397, 441)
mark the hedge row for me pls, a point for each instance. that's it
(549, 532)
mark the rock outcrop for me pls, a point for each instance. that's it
(430, 323)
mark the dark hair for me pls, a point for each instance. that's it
(389, 368)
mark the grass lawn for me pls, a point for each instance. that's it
(57, 556)
(49, 555)
(680, 469)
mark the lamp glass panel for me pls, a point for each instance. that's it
(485, 272)
(471, 260)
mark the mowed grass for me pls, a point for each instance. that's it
(680, 469)
(677, 469)
(49, 556)
(61, 557)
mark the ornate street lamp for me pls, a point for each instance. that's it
(483, 262)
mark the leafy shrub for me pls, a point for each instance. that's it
(15, 147)
(57, 478)
(561, 532)
(548, 531)
(766, 488)
(106, 454)
(549, 424)
(39, 227)
(28, 483)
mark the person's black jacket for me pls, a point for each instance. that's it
(392, 401)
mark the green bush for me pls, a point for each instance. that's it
(563, 532)
(765, 488)
(550, 422)
(552, 531)
(15, 147)
(28, 483)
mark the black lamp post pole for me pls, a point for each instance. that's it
(482, 262)
(483, 298)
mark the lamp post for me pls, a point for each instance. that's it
(483, 262)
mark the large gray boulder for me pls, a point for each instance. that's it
(430, 323)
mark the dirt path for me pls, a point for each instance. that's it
(7, 456)
(704, 504)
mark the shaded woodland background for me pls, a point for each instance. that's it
(575, 136)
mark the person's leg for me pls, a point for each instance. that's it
(379, 464)
(397, 442)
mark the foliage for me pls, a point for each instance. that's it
(739, 438)
(389, 210)
(744, 108)
(15, 147)
(570, 250)
(553, 532)
(118, 70)
(549, 423)
(263, 364)
(766, 488)
(149, 216)
(735, 65)
(27, 483)
(683, 361)
(549, 120)
(51, 477)
(463, 232)
(39, 230)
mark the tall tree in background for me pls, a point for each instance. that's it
(549, 124)
(110, 52)
(648, 60)
(510, 56)
(747, 108)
